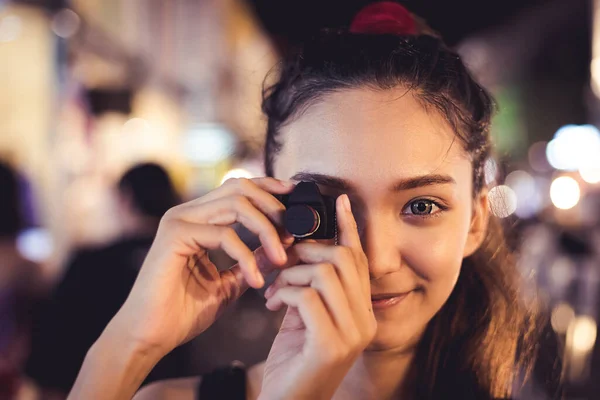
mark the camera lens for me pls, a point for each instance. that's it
(302, 220)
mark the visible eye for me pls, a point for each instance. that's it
(423, 208)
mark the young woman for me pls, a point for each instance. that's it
(419, 298)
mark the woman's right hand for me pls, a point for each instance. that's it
(179, 292)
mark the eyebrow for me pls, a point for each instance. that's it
(403, 184)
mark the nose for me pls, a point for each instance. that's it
(380, 242)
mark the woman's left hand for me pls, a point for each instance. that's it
(329, 320)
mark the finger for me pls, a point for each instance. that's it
(340, 257)
(191, 239)
(234, 280)
(264, 264)
(324, 279)
(347, 227)
(348, 236)
(237, 208)
(258, 190)
(355, 285)
(310, 307)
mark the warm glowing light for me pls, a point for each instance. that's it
(65, 23)
(10, 28)
(136, 126)
(564, 192)
(595, 73)
(237, 173)
(583, 334)
(562, 316)
(502, 201)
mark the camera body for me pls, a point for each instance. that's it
(309, 214)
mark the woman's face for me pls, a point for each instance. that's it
(410, 184)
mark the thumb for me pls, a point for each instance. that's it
(292, 321)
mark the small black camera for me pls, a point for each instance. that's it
(309, 214)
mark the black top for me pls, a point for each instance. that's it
(229, 383)
(224, 383)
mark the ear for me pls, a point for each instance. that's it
(479, 224)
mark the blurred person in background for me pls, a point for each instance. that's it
(420, 298)
(21, 286)
(96, 283)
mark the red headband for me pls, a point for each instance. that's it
(385, 17)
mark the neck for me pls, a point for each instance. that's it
(370, 376)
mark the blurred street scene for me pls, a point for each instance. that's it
(113, 111)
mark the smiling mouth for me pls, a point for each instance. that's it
(386, 300)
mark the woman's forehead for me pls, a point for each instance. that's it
(363, 134)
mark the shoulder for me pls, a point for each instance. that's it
(187, 388)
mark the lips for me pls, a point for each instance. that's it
(385, 300)
(383, 296)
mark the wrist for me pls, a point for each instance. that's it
(114, 367)
(119, 335)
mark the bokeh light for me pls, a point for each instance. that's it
(490, 170)
(584, 330)
(574, 147)
(564, 192)
(590, 174)
(208, 144)
(10, 28)
(136, 126)
(502, 201)
(562, 316)
(529, 197)
(562, 272)
(537, 157)
(65, 23)
(237, 173)
(35, 244)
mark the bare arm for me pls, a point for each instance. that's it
(114, 368)
(179, 292)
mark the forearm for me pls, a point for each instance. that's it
(114, 368)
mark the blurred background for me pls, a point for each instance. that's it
(90, 89)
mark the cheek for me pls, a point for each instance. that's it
(435, 253)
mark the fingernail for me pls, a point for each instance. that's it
(346, 202)
(269, 292)
(286, 184)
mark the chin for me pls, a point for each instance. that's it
(395, 336)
